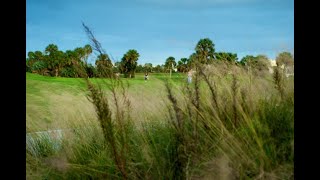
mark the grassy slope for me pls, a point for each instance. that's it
(54, 101)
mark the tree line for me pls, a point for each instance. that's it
(74, 63)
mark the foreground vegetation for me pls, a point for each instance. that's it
(228, 124)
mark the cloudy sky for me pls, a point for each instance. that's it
(158, 29)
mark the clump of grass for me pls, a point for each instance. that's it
(41, 144)
(234, 88)
(279, 81)
(177, 154)
(110, 127)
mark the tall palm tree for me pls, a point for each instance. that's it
(104, 65)
(205, 50)
(53, 58)
(170, 64)
(129, 62)
(51, 49)
(80, 53)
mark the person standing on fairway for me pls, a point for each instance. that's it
(146, 77)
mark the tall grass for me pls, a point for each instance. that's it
(227, 124)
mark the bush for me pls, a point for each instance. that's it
(28, 68)
(91, 70)
(40, 67)
(68, 72)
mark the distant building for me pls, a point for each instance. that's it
(273, 64)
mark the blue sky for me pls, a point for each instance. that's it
(158, 29)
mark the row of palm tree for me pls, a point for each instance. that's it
(73, 63)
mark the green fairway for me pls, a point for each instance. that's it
(54, 101)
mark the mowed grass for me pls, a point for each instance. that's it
(52, 102)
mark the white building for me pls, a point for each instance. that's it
(273, 63)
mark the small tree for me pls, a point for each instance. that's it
(147, 67)
(34, 57)
(182, 65)
(262, 63)
(39, 67)
(158, 68)
(247, 60)
(129, 63)
(117, 67)
(104, 65)
(192, 61)
(205, 51)
(227, 56)
(140, 68)
(285, 60)
(170, 64)
(54, 58)
(256, 64)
